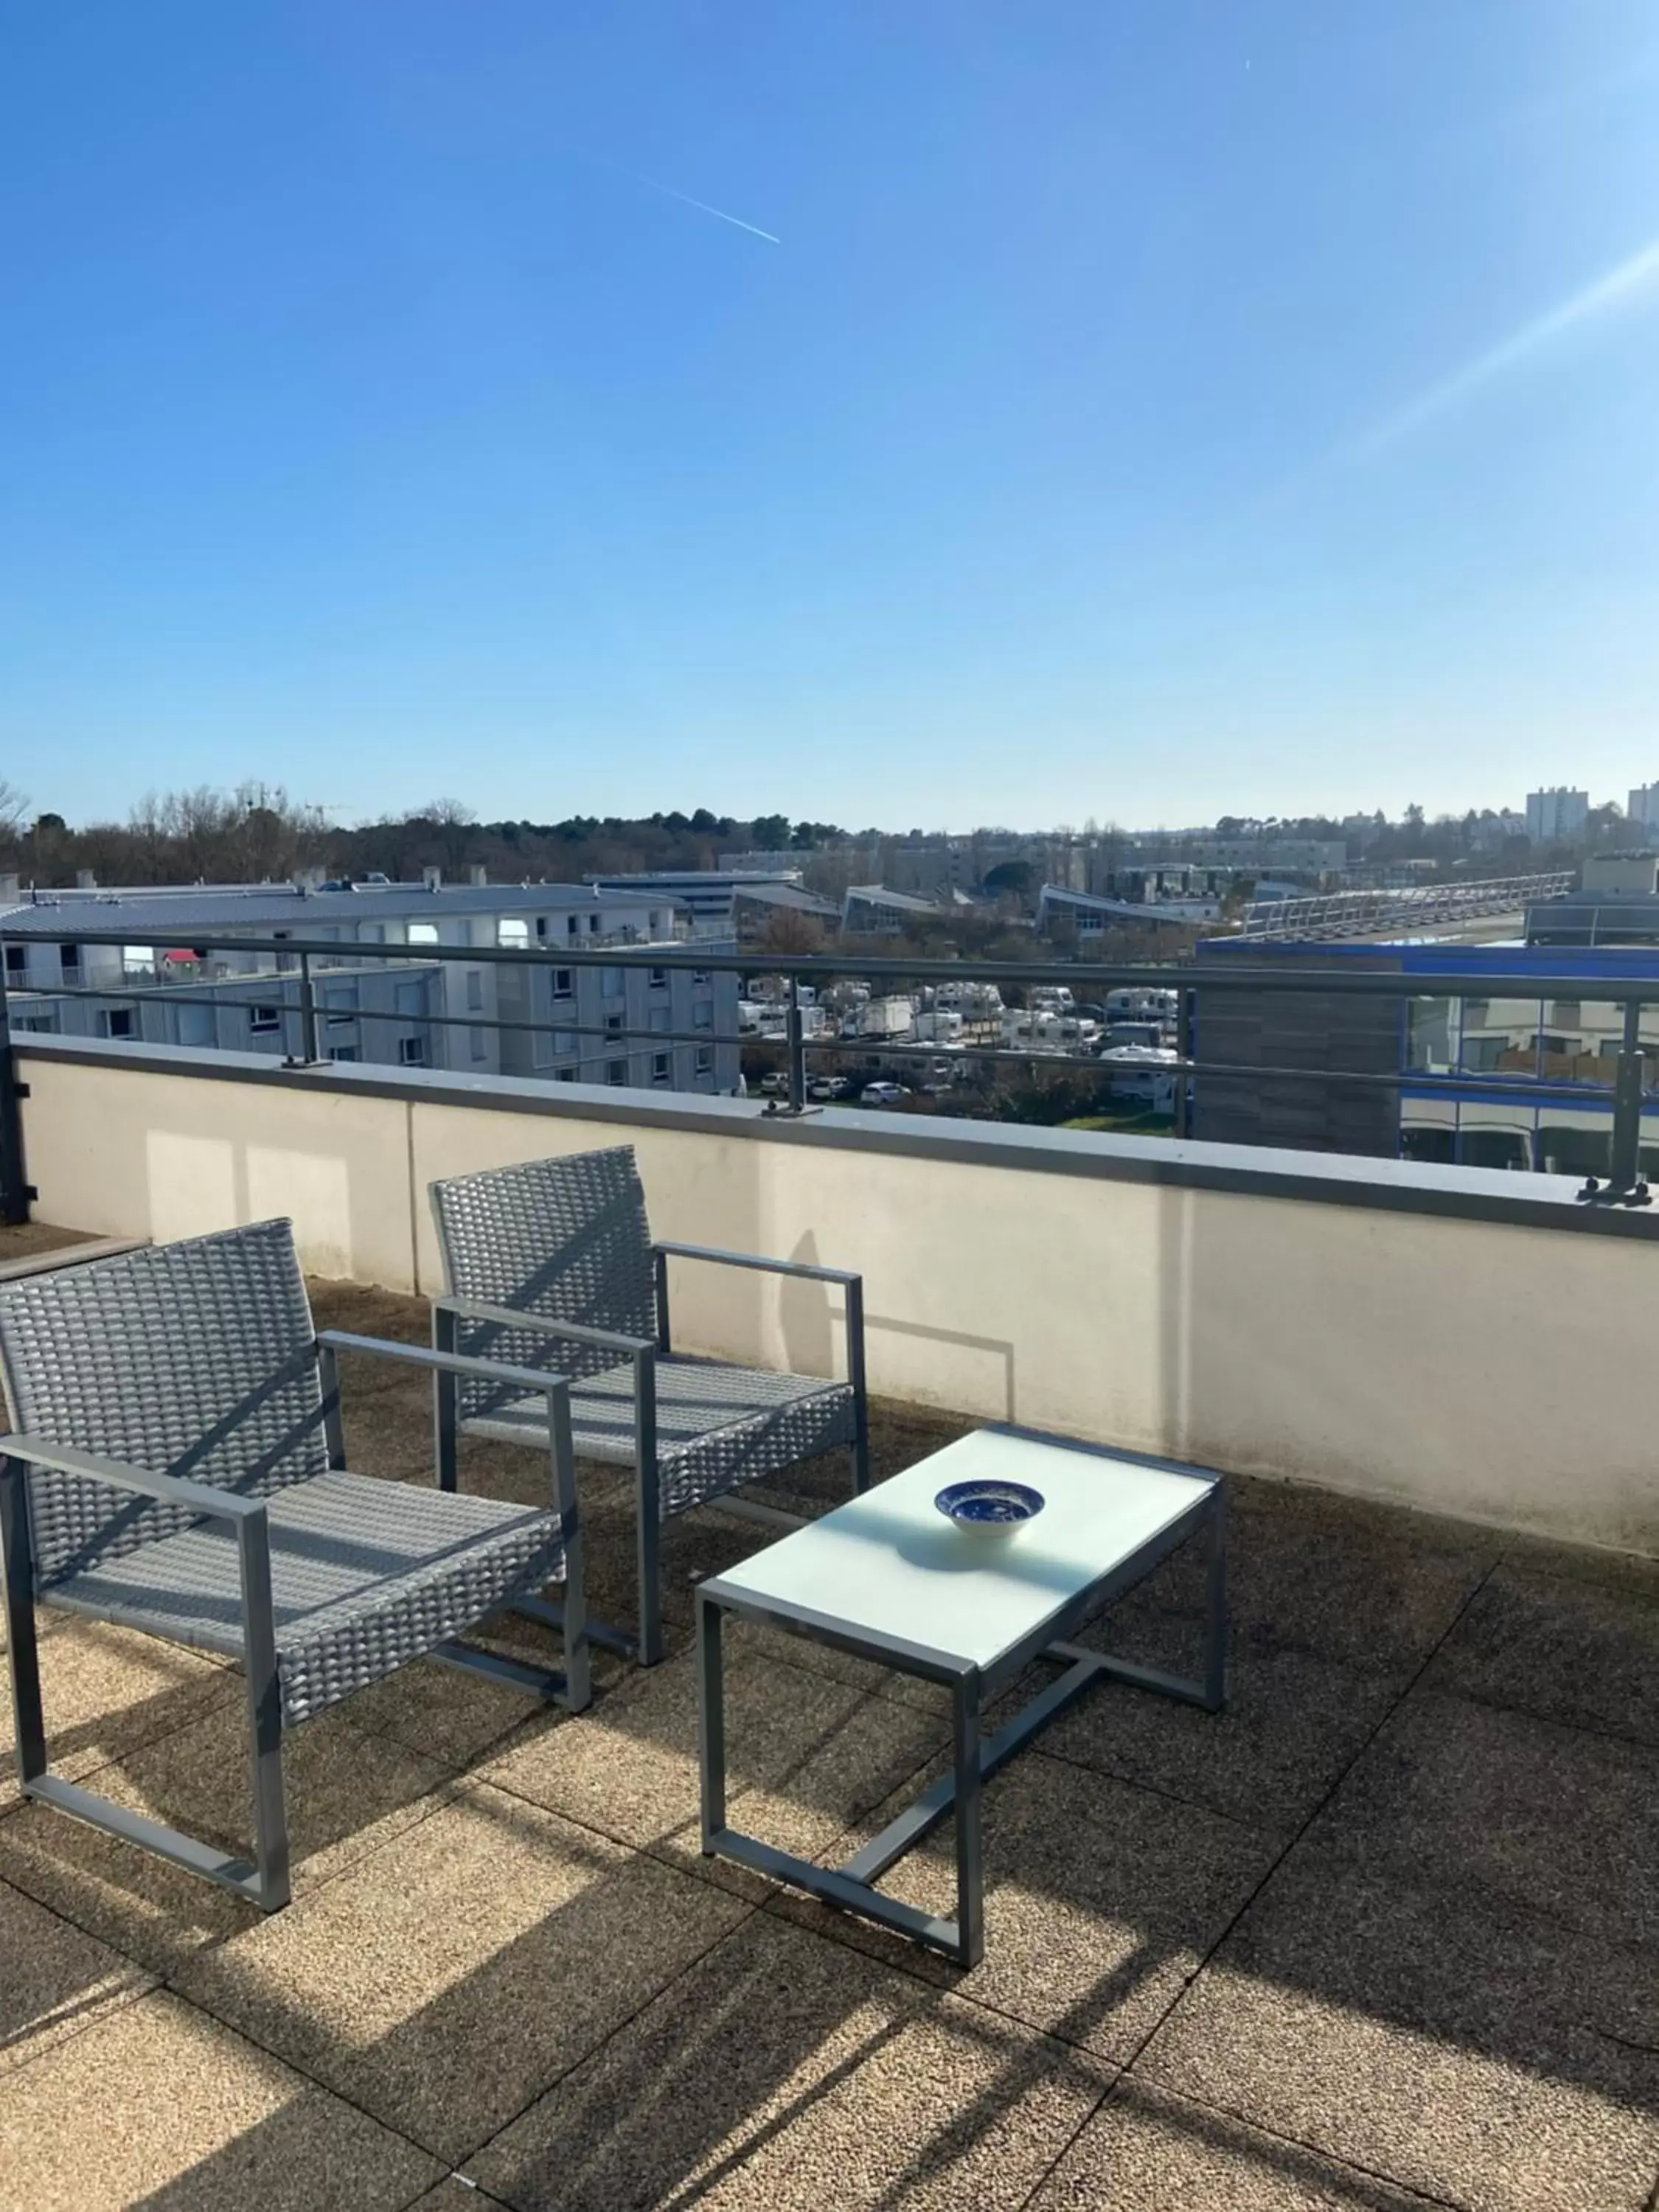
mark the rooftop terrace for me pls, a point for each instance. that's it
(1385, 1936)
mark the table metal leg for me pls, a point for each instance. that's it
(711, 1723)
(970, 1854)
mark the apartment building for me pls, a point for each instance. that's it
(626, 1024)
(1556, 815)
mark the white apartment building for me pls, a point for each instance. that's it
(1556, 814)
(627, 1023)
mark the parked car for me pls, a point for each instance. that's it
(882, 1094)
(825, 1088)
(774, 1083)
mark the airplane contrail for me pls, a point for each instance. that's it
(657, 186)
(1618, 288)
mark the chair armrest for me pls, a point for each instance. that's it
(203, 1497)
(805, 1268)
(510, 1317)
(538, 1379)
(249, 1527)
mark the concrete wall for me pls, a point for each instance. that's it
(1491, 1367)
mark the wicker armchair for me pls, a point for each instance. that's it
(180, 1467)
(553, 1260)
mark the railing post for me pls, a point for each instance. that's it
(797, 1050)
(1625, 1157)
(309, 1053)
(14, 1191)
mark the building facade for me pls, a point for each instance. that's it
(1555, 816)
(627, 1023)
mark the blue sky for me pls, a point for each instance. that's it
(1153, 409)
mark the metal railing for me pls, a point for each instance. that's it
(300, 963)
(1333, 916)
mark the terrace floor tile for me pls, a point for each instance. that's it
(782, 2071)
(160, 2107)
(451, 1976)
(1481, 2055)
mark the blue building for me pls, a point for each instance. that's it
(1455, 1057)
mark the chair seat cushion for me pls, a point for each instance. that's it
(718, 1426)
(365, 1576)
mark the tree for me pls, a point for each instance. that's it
(1013, 877)
(770, 832)
(453, 823)
(13, 807)
(789, 931)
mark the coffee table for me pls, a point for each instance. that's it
(888, 1577)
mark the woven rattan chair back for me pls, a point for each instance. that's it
(195, 1358)
(564, 1237)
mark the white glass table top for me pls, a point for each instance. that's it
(891, 1564)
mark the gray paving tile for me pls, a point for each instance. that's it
(1367, 1586)
(784, 2071)
(1477, 2053)
(1561, 1646)
(449, 1979)
(56, 1980)
(1147, 2151)
(348, 1791)
(159, 2109)
(806, 1756)
(1293, 1722)
(1102, 1900)
(107, 1691)
(1553, 1819)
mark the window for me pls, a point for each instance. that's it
(411, 1051)
(342, 1052)
(702, 1015)
(70, 956)
(705, 1060)
(118, 1022)
(475, 991)
(541, 925)
(616, 1071)
(36, 1022)
(263, 1019)
(340, 1003)
(562, 986)
(659, 1017)
(658, 979)
(567, 1075)
(699, 979)
(592, 925)
(197, 1025)
(564, 1043)
(512, 933)
(16, 961)
(422, 933)
(613, 1024)
(410, 998)
(611, 982)
(573, 926)
(661, 1068)
(479, 1045)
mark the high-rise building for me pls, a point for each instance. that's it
(1643, 808)
(1556, 814)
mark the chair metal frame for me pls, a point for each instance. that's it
(262, 1878)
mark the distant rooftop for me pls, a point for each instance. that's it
(183, 907)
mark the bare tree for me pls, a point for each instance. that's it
(455, 827)
(13, 811)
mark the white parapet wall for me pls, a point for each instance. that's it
(1464, 1342)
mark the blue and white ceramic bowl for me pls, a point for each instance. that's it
(989, 1509)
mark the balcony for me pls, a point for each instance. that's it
(1382, 1936)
